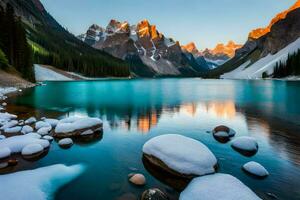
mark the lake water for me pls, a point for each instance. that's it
(134, 111)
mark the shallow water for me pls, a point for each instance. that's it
(134, 111)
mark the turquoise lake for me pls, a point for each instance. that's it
(133, 111)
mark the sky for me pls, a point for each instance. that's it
(205, 22)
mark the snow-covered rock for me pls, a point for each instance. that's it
(7, 116)
(216, 187)
(26, 129)
(17, 143)
(52, 122)
(46, 74)
(15, 129)
(256, 169)
(37, 184)
(44, 130)
(74, 126)
(9, 124)
(41, 124)
(48, 137)
(32, 149)
(34, 135)
(30, 120)
(245, 145)
(181, 154)
(65, 143)
(4, 152)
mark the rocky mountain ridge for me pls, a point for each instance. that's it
(143, 42)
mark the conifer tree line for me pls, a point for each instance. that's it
(14, 49)
(21, 45)
(288, 68)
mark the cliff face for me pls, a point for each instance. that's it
(145, 43)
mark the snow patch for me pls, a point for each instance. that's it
(45, 74)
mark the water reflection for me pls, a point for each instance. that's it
(135, 111)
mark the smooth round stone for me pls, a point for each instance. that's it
(180, 155)
(12, 162)
(5, 152)
(138, 179)
(2, 137)
(216, 187)
(154, 194)
(245, 145)
(15, 129)
(48, 137)
(4, 104)
(255, 169)
(32, 150)
(65, 143)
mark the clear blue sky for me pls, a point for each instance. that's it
(206, 22)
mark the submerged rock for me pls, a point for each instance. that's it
(138, 179)
(223, 133)
(180, 155)
(65, 143)
(255, 169)
(216, 187)
(154, 194)
(245, 145)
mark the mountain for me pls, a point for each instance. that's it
(143, 43)
(53, 45)
(213, 57)
(221, 52)
(265, 48)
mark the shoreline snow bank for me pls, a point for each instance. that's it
(44, 182)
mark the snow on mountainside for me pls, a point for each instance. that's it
(45, 74)
(266, 64)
